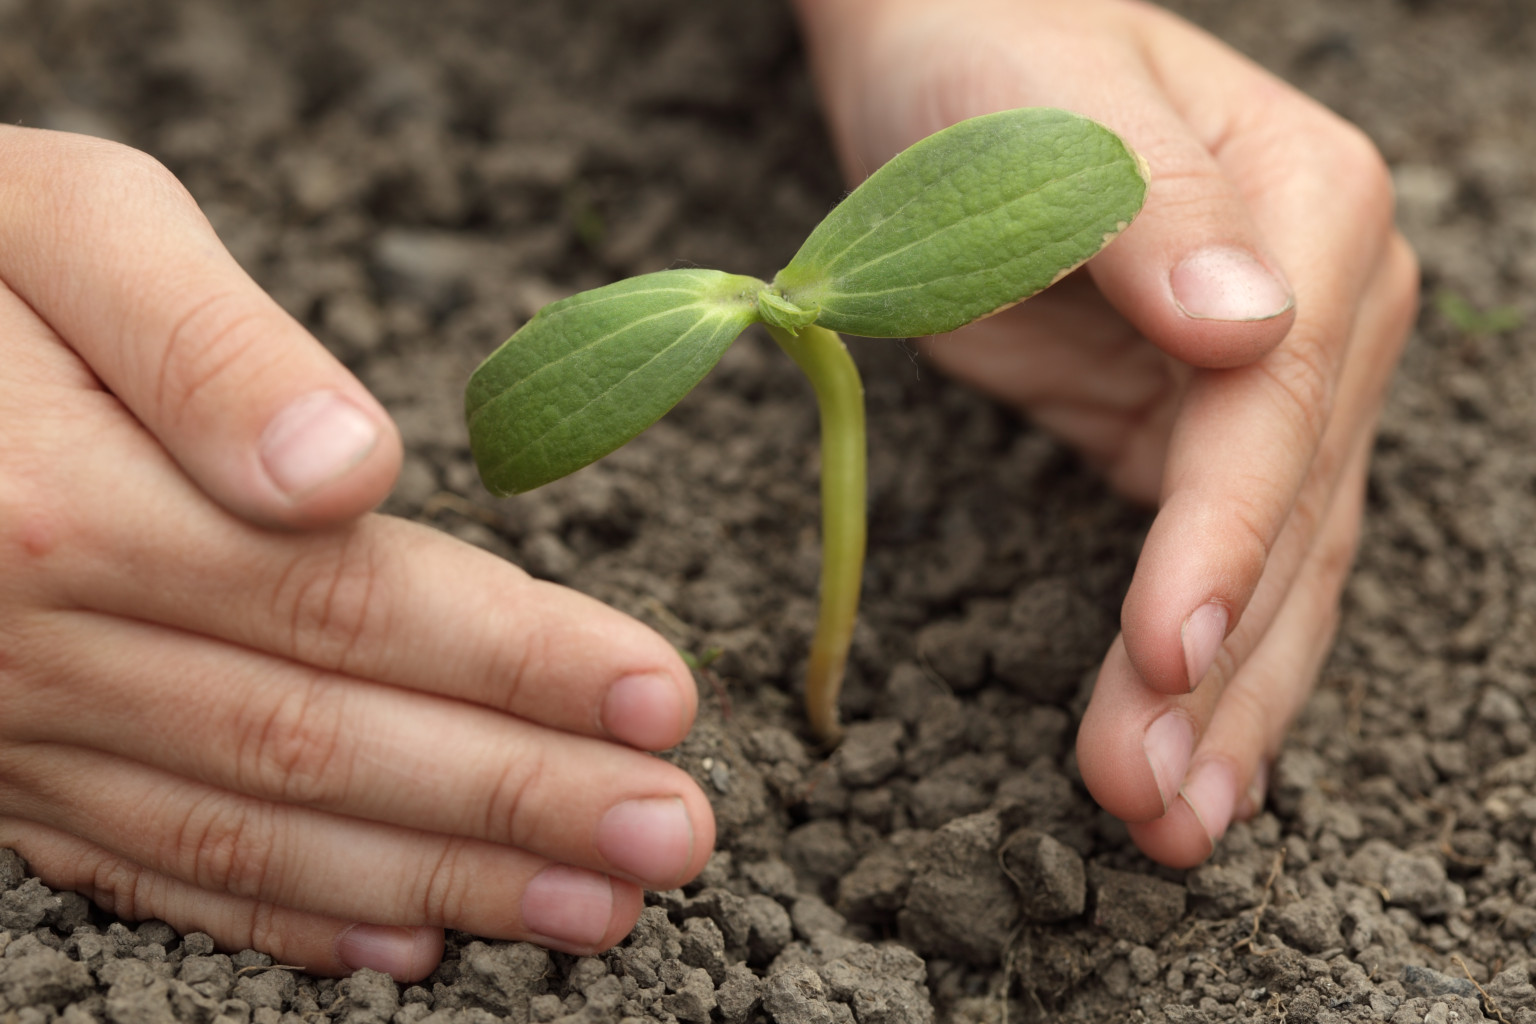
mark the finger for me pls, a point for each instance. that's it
(1253, 711)
(1136, 742)
(320, 945)
(1136, 746)
(395, 602)
(382, 599)
(268, 729)
(1195, 272)
(1257, 452)
(328, 865)
(105, 245)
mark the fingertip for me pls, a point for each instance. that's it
(648, 710)
(1201, 637)
(326, 456)
(578, 911)
(628, 901)
(1252, 800)
(1217, 307)
(1187, 835)
(1198, 568)
(406, 954)
(1176, 840)
(702, 813)
(1229, 284)
(1194, 273)
(662, 842)
(1131, 751)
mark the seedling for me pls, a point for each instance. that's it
(1469, 319)
(963, 224)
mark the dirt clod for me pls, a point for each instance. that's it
(1137, 908)
(1052, 883)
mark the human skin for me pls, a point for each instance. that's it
(225, 681)
(227, 687)
(1224, 360)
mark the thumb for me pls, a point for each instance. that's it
(110, 250)
(1193, 272)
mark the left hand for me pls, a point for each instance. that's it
(1226, 359)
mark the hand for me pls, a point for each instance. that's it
(328, 743)
(1225, 358)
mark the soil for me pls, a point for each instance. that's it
(413, 180)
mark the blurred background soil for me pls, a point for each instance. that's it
(414, 180)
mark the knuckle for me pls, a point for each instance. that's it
(1184, 181)
(266, 929)
(1353, 172)
(213, 339)
(108, 880)
(1363, 167)
(1301, 374)
(1255, 719)
(227, 848)
(295, 749)
(530, 659)
(448, 886)
(1248, 551)
(119, 886)
(332, 598)
(510, 814)
(102, 171)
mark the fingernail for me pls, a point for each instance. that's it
(1202, 635)
(649, 840)
(1256, 793)
(1211, 793)
(568, 908)
(398, 952)
(1223, 283)
(645, 711)
(1168, 743)
(316, 439)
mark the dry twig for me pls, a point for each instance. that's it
(1258, 912)
(1488, 1003)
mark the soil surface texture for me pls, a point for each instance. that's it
(413, 180)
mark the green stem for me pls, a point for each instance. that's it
(824, 358)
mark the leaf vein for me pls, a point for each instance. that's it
(701, 322)
(953, 225)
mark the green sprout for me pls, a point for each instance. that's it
(1468, 319)
(963, 224)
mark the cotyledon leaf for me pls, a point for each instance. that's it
(591, 371)
(966, 222)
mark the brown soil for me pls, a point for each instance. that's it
(413, 180)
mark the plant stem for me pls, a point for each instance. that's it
(824, 358)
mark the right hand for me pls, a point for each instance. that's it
(1226, 359)
(232, 700)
